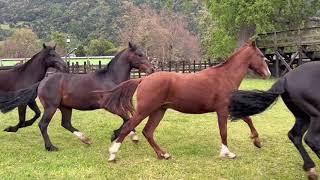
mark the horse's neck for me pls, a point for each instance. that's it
(36, 70)
(119, 71)
(236, 69)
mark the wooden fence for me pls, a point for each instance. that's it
(181, 67)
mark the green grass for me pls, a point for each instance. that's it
(192, 140)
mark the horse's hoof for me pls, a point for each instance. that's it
(312, 174)
(165, 156)
(257, 143)
(11, 129)
(52, 148)
(228, 155)
(112, 158)
(135, 141)
(86, 141)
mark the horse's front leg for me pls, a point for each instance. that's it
(254, 134)
(222, 122)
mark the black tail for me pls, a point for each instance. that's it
(13, 99)
(247, 103)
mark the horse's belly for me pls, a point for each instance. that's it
(80, 103)
(190, 108)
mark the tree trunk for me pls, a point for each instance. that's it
(245, 33)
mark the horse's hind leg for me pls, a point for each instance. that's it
(33, 105)
(296, 133)
(148, 130)
(254, 134)
(22, 118)
(133, 122)
(133, 135)
(43, 125)
(66, 123)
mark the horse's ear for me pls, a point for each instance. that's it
(253, 43)
(54, 47)
(44, 45)
(130, 45)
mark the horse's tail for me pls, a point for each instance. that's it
(12, 99)
(120, 98)
(247, 103)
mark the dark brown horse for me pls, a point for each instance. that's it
(74, 91)
(23, 76)
(202, 92)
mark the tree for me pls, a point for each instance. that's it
(237, 20)
(162, 34)
(100, 47)
(59, 39)
(22, 44)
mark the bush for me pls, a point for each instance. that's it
(99, 47)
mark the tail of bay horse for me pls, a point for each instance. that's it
(299, 89)
(196, 93)
(11, 100)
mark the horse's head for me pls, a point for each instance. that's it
(52, 59)
(257, 61)
(137, 59)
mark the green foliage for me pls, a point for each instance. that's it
(264, 15)
(59, 39)
(99, 47)
(80, 52)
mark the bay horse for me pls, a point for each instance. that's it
(201, 92)
(24, 75)
(299, 89)
(74, 91)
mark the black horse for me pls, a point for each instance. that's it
(23, 76)
(300, 91)
(79, 91)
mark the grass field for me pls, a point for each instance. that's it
(192, 140)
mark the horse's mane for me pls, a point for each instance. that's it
(110, 64)
(22, 67)
(235, 53)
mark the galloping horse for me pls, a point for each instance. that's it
(74, 91)
(202, 92)
(22, 76)
(299, 90)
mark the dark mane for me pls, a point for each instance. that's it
(113, 60)
(22, 67)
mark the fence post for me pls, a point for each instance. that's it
(183, 66)
(194, 66)
(177, 70)
(72, 67)
(169, 66)
(77, 67)
(139, 73)
(205, 64)
(85, 67)
(99, 64)
(68, 65)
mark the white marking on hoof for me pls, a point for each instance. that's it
(225, 153)
(82, 137)
(133, 136)
(113, 151)
(166, 155)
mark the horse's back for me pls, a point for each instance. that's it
(303, 86)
